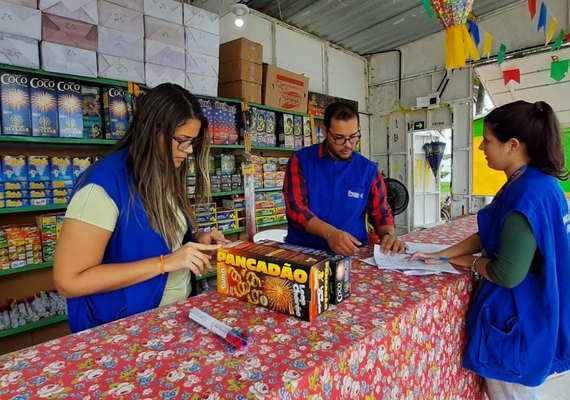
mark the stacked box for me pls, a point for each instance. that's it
(307, 132)
(240, 70)
(285, 281)
(79, 165)
(286, 131)
(4, 257)
(270, 129)
(207, 109)
(70, 109)
(115, 112)
(43, 102)
(50, 226)
(91, 106)
(15, 104)
(297, 131)
(16, 246)
(61, 172)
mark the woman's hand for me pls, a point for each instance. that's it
(429, 258)
(213, 237)
(191, 256)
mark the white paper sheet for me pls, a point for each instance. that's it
(400, 262)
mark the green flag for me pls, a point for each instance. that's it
(559, 69)
(501, 56)
(429, 11)
(559, 40)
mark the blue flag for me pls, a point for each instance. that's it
(474, 32)
(542, 17)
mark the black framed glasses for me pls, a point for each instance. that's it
(184, 144)
(341, 140)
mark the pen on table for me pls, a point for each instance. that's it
(239, 339)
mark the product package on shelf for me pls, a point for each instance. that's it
(19, 313)
(121, 44)
(91, 108)
(50, 226)
(286, 281)
(68, 60)
(69, 32)
(201, 19)
(15, 104)
(286, 132)
(157, 74)
(43, 102)
(200, 84)
(113, 15)
(20, 20)
(19, 51)
(224, 123)
(120, 68)
(69, 110)
(169, 10)
(115, 111)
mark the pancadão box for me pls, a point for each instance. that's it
(286, 281)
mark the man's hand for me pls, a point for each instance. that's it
(391, 243)
(342, 242)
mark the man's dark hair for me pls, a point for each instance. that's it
(342, 111)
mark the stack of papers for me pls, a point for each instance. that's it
(400, 262)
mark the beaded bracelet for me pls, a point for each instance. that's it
(473, 264)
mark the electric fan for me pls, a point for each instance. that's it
(398, 197)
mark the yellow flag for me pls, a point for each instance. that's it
(471, 50)
(551, 29)
(487, 45)
(454, 47)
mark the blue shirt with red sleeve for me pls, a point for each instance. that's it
(339, 192)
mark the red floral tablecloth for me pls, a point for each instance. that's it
(396, 337)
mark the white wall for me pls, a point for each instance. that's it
(423, 65)
(331, 70)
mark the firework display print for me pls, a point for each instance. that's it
(91, 110)
(15, 104)
(43, 101)
(282, 280)
(396, 337)
(115, 111)
(70, 109)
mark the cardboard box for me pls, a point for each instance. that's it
(201, 42)
(241, 70)
(120, 44)
(285, 89)
(201, 64)
(43, 105)
(92, 121)
(169, 10)
(19, 50)
(25, 3)
(120, 18)
(198, 84)
(201, 19)
(164, 54)
(20, 20)
(163, 31)
(70, 107)
(115, 111)
(157, 74)
(241, 49)
(119, 68)
(243, 90)
(137, 5)
(58, 29)
(15, 104)
(82, 10)
(68, 60)
(286, 281)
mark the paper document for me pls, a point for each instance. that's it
(401, 262)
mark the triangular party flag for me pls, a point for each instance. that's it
(559, 40)
(471, 50)
(532, 8)
(551, 29)
(487, 45)
(501, 56)
(512, 75)
(474, 32)
(568, 37)
(542, 17)
(559, 69)
(429, 11)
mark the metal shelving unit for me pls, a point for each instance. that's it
(34, 325)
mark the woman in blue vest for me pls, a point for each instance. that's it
(127, 243)
(518, 326)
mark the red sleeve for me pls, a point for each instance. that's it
(296, 195)
(378, 209)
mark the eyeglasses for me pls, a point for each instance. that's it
(186, 143)
(341, 140)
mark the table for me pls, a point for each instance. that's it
(396, 337)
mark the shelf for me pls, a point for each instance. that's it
(218, 194)
(31, 267)
(272, 224)
(275, 189)
(274, 148)
(57, 140)
(226, 146)
(280, 110)
(226, 99)
(206, 275)
(103, 81)
(230, 231)
(34, 325)
(13, 210)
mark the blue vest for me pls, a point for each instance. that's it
(522, 335)
(133, 239)
(338, 192)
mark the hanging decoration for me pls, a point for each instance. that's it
(532, 8)
(551, 29)
(512, 75)
(434, 154)
(502, 53)
(453, 14)
(428, 9)
(559, 40)
(541, 17)
(559, 68)
(487, 45)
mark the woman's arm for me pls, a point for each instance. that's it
(78, 270)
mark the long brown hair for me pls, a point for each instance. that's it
(161, 186)
(535, 125)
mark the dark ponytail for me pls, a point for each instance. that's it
(535, 125)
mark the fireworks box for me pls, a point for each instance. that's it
(91, 111)
(340, 269)
(282, 280)
(15, 104)
(43, 95)
(115, 112)
(70, 109)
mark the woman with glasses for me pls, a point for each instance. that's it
(330, 190)
(127, 243)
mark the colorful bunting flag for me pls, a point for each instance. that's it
(474, 28)
(501, 56)
(542, 17)
(512, 75)
(532, 8)
(559, 69)
(429, 11)
(487, 45)
(551, 29)
(559, 40)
